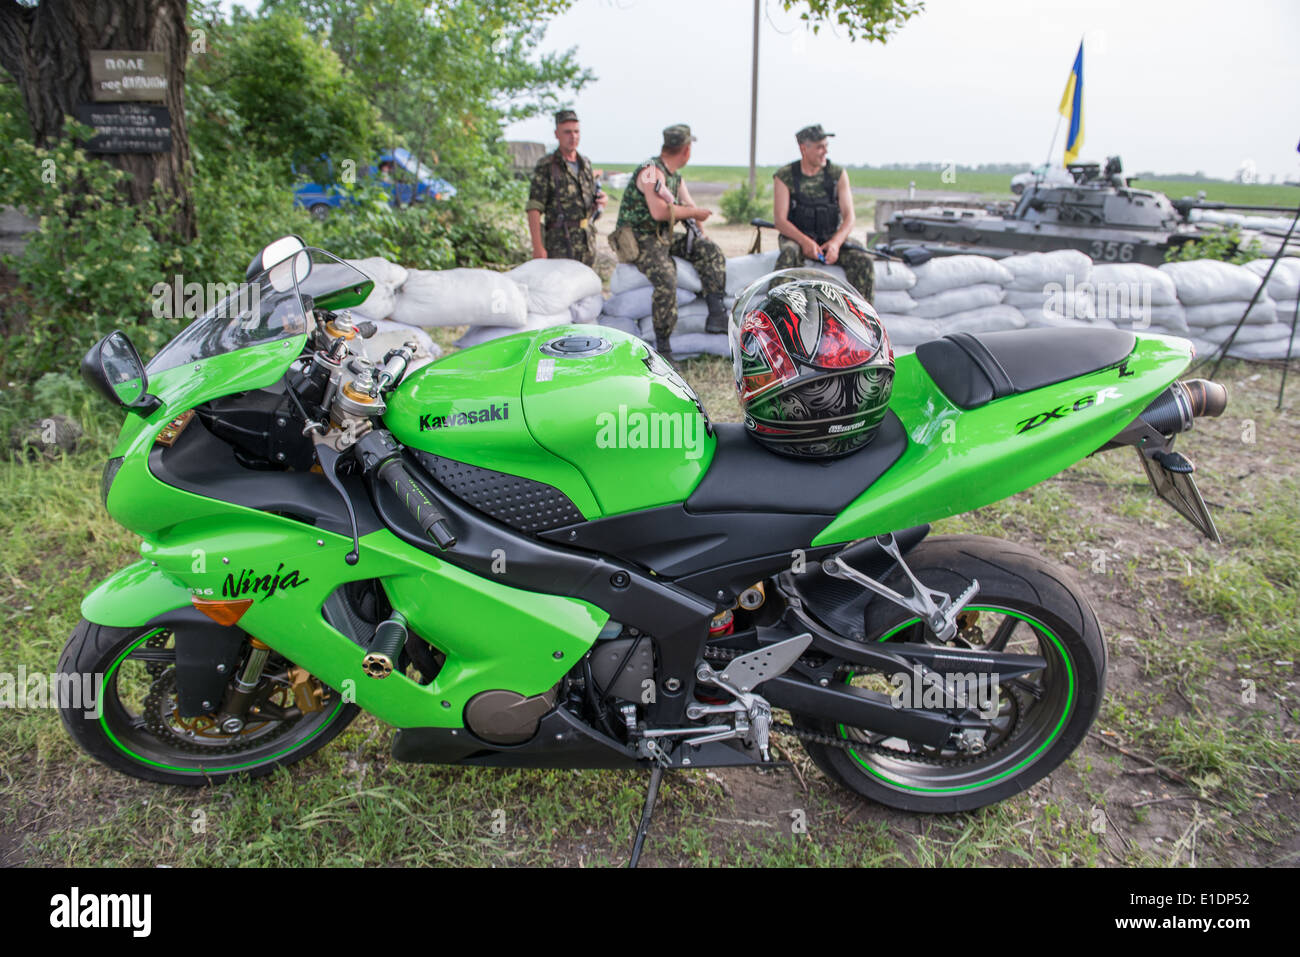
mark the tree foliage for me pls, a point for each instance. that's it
(862, 19)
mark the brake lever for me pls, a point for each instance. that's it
(329, 460)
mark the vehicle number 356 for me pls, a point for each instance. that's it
(1112, 251)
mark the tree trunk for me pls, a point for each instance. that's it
(46, 49)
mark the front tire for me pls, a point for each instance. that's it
(1025, 605)
(132, 724)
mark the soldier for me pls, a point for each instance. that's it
(564, 191)
(656, 199)
(813, 207)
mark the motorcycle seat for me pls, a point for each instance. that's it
(746, 477)
(973, 370)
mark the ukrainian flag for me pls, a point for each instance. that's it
(1072, 106)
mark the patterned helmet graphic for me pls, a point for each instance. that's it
(812, 362)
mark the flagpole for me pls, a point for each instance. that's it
(1055, 133)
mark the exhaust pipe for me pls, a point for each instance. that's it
(1174, 410)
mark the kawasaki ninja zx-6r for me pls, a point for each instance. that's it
(540, 553)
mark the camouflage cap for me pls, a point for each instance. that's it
(811, 134)
(565, 116)
(678, 135)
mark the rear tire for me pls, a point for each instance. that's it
(1041, 719)
(119, 736)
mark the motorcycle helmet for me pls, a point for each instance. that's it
(813, 365)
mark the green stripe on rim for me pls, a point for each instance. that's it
(1065, 712)
(103, 720)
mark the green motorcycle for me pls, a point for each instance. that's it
(540, 552)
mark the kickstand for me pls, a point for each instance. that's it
(651, 795)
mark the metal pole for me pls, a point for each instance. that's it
(753, 111)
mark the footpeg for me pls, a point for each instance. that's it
(385, 647)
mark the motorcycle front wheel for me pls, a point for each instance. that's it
(1026, 605)
(132, 722)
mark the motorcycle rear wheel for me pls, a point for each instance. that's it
(134, 726)
(1025, 605)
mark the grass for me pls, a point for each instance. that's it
(996, 184)
(1187, 622)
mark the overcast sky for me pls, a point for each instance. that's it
(1170, 85)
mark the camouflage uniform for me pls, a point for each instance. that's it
(566, 203)
(858, 265)
(658, 249)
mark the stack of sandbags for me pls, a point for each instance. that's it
(389, 277)
(955, 294)
(1215, 296)
(1052, 289)
(555, 292)
(743, 270)
(559, 291)
(1283, 284)
(1138, 297)
(629, 306)
(459, 297)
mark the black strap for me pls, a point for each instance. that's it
(987, 363)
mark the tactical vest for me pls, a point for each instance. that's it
(815, 217)
(633, 210)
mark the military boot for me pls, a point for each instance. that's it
(717, 319)
(665, 350)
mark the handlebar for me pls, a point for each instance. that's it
(380, 456)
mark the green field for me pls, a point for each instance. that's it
(995, 184)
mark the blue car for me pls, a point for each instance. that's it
(418, 183)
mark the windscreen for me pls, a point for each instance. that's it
(267, 308)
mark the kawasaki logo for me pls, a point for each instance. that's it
(493, 413)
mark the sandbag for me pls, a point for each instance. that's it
(699, 343)
(621, 323)
(381, 270)
(535, 321)
(986, 319)
(1038, 318)
(1284, 283)
(910, 331)
(1269, 349)
(742, 270)
(457, 297)
(1033, 271)
(1070, 305)
(378, 305)
(1204, 281)
(392, 335)
(587, 308)
(629, 277)
(1138, 282)
(553, 285)
(1138, 317)
(952, 301)
(1286, 310)
(636, 303)
(1247, 334)
(895, 301)
(953, 272)
(893, 277)
(690, 319)
(1219, 313)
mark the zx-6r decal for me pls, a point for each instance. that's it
(1061, 411)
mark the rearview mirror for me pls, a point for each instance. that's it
(113, 369)
(286, 258)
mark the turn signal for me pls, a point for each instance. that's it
(223, 612)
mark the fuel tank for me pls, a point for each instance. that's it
(588, 410)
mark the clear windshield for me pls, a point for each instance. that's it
(267, 308)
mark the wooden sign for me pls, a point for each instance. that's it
(117, 75)
(127, 127)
